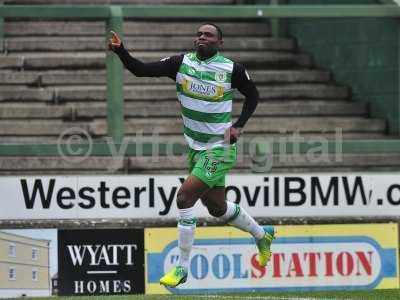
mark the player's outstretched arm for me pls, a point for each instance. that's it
(166, 67)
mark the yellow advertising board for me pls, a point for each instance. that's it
(305, 257)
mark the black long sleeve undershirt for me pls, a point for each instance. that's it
(169, 67)
(242, 81)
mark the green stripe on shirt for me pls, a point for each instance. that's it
(202, 137)
(206, 117)
(203, 75)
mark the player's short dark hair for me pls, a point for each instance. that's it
(219, 31)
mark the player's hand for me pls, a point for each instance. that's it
(114, 42)
(232, 134)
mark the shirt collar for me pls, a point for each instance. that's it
(208, 60)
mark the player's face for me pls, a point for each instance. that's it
(207, 42)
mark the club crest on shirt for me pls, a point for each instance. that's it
(220, 76)
(191, 71)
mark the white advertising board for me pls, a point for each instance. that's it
(147, 196)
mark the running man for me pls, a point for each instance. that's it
(205, 82)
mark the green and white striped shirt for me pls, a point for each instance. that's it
(205, 93)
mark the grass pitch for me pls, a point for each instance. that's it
(333, 295)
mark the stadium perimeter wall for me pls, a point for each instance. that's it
(362, 53)
(373, 71)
